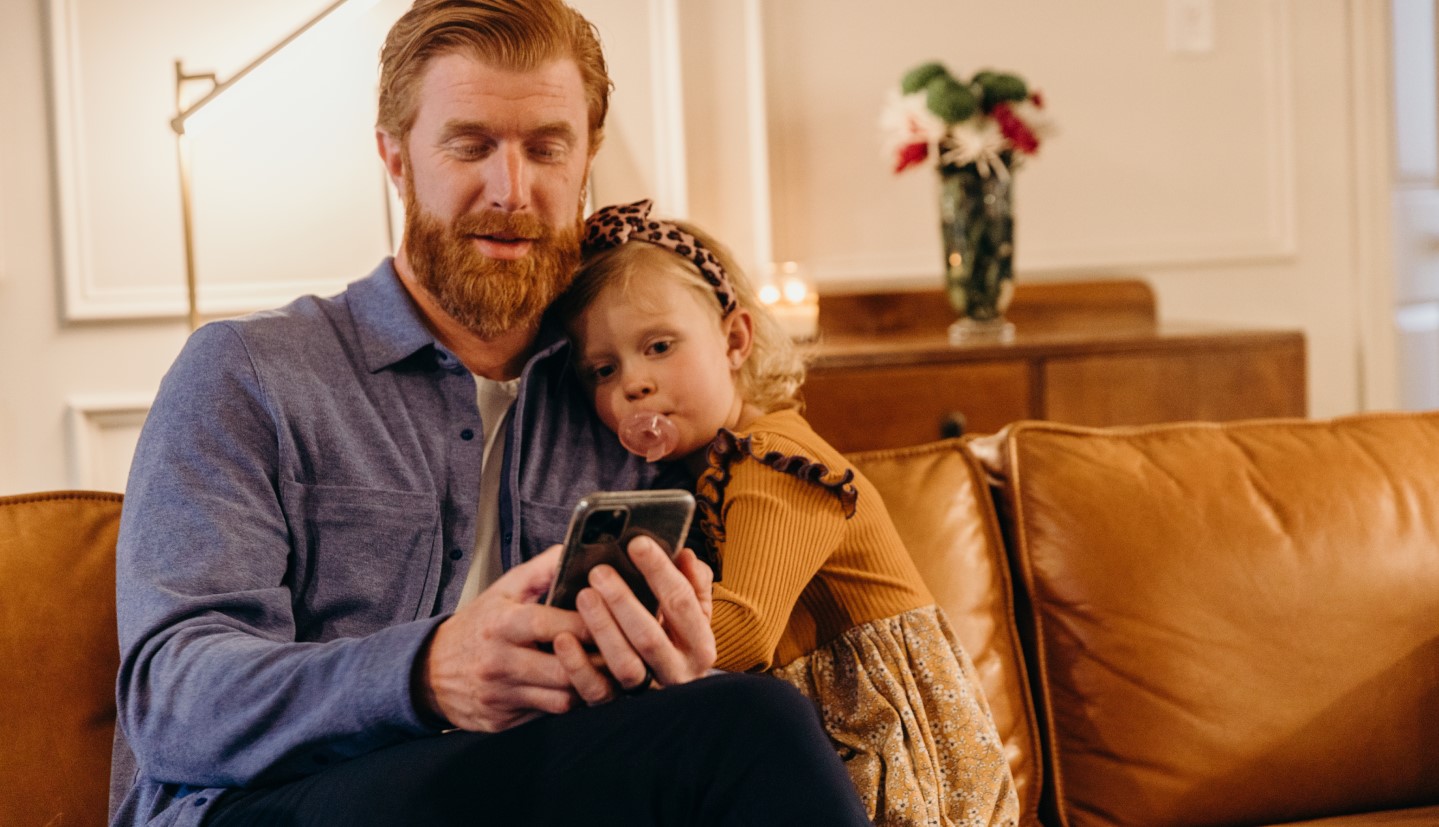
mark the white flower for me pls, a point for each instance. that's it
(906, 120)
(977, 141)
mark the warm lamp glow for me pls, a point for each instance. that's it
(792, 302)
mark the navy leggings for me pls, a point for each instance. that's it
(725, 750)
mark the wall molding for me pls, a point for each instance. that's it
(668, 111)
(758, 137)
(85, 297)
(1373, 162)
(88, 420)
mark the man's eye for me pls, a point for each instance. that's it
(470, 151)
(662, 346)
(548, 152)
(599, 373)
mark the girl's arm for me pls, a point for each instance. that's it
(779, 531)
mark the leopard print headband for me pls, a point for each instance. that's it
(611, 226)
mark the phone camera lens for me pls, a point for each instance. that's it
(604, 526)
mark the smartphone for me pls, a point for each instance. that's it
(600, 530)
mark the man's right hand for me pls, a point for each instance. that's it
(482, 671)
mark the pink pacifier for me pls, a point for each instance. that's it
(650, 435)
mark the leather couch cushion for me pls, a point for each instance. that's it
(940, 503)
(58, 656)
(1232, 624)
(1428, 816)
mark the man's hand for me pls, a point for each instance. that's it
(482, 670)
(675, 647)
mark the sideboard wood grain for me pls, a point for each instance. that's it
(884, 374)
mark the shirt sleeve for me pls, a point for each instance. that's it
(778, 532)
(214, 690)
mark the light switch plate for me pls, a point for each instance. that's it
(1191, 26)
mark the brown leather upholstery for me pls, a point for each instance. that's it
(58, 656)
(1393, 818)
(1224, 624)
(1232, 624)
(939, 501)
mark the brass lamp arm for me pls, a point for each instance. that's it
(181, 77)
(177, 124)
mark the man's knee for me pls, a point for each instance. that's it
(758, 707)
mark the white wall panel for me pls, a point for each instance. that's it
(102, 434)
(288, 193)
(1160, 158)
(1419, 356)
(1416, 234)
(643, 155)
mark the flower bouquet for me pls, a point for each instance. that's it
(978, 132)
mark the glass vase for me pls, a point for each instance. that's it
(977, 223)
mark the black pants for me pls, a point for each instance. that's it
(726, 750)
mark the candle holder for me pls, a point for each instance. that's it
(790, 297)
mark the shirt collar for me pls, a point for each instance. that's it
(391, 329)
(387, 322)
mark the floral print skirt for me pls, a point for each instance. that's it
(901, 702)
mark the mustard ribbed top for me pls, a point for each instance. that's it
(796, 571)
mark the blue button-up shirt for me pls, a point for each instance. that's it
(300, 515)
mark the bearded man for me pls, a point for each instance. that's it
(335, 530)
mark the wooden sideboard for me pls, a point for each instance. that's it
(883, 373)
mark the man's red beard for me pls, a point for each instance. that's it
(490, 296)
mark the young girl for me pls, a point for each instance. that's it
(813, 583)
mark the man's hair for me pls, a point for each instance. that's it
(772, 375)
(517, 35)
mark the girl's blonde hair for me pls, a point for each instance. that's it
(769, 379)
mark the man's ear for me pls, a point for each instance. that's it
(392, 154)
(739, 336)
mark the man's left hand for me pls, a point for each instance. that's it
(673, 647)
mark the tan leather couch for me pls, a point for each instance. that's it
(1192, 624)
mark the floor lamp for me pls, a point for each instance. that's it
(182, 154)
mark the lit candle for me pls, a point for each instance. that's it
(792, 302)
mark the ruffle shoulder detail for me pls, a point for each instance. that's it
(727, 448)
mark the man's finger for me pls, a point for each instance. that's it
(688, 622)
(596, 607)
(687, 648)
(532, 623)
(593, 685)
(529, 579)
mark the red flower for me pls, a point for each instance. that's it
(910, 155)
(1015, 130)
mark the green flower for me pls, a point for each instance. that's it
(997, 87)
(949, 100)
(920, 76)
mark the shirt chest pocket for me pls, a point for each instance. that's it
(363, 558)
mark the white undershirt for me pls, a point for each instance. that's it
(495, 401)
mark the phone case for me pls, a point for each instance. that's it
(602, 526)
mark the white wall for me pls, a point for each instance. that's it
(1235, 180)
(1230, 179)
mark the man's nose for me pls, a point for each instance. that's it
(508, 184)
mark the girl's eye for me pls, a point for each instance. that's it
(662, 346)
(599, 373)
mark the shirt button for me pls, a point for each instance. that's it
(456, 554)
(467, 434)
(505, 537)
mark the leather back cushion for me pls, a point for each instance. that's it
(58, 656)
(938, 499)
(1232, 624)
